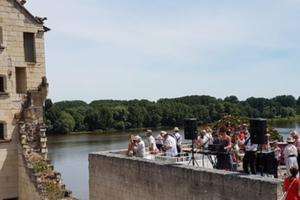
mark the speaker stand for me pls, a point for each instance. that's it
(193, 160)
(261, 165)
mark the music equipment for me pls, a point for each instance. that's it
(190, 128)
(266, 162)
(258, 131)
(216, 148)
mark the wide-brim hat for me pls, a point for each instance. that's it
(176, 129)
(293, 133)
(290, 140)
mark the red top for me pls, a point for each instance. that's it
(292, 191)
(242, 136)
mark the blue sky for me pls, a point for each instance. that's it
(127, 49)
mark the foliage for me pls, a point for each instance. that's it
(39, 166)
(69, 116)
(237, 121)
(52, 190)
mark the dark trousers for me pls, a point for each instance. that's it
(178, 148)
(298, 161)
(249, 159)
(276, 164)
(159, 146)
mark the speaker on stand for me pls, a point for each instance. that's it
(190, 133)
(258, 132)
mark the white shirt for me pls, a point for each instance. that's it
(249, 146)
(170, 142)
(207, 140)
(151, 142)
(178, 138)
(139, 149)
(289, 150)
(159, 139)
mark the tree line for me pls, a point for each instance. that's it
(76, 116)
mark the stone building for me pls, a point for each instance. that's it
(22, 71)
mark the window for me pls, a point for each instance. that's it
(2, 131)
(1, 38)
(29, 47)
(21, 82)
(2, 84)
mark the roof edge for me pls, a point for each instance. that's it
(36, 20)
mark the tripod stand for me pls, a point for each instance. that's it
(193, 160)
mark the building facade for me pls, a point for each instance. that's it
(22, 69)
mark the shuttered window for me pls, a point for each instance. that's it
(29, 47)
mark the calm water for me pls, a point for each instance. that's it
(69, 153)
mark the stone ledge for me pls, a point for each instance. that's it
(114, 176)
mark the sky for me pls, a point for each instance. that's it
(141, 49)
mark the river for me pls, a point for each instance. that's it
(69, 153)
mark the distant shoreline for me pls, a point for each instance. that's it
(296, 118)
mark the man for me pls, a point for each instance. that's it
(250, 153)
(169, 144)
(139, 147)
(159, 141)
(151, 142)
(206, 139)
(178, 139)
(295, 136)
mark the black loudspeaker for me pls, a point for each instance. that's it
(258, 131)
(190, 129)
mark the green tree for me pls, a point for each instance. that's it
(64, 124)
(232, 99)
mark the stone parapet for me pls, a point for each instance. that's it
(114, 176)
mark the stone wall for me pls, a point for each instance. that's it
(14, 21)
(28, 189)
(9, 169)
(114, 176)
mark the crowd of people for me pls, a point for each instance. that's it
(236, 143)
(170, 144)
(237, 148)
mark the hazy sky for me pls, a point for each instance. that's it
(125, 49)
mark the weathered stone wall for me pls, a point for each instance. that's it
(9, 169)
(14, 21)
(114, 176)
(27, 189)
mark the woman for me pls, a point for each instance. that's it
(130, 145)
(290, 155)
(292, 186)
(224, 160)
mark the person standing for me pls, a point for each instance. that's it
(139, 147)
(277, 153)
(295, 136)
(169, 144)
(159, 142)
(250, 153)
(290, 155)
(206, 139)
(151, 142)
(224, 159)
(178, 139)
(292, 185)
